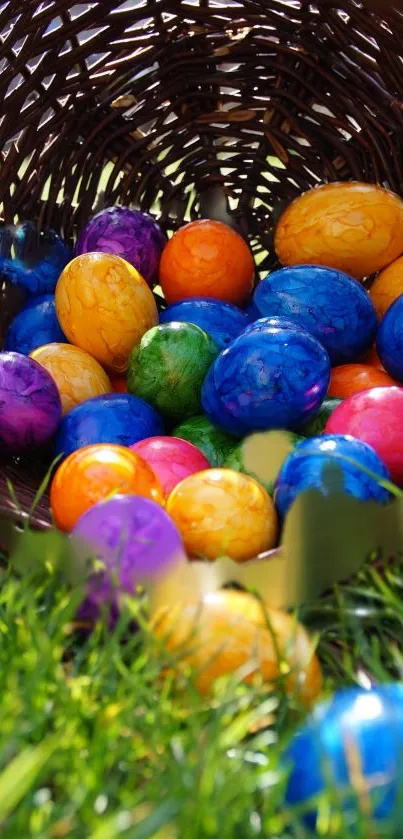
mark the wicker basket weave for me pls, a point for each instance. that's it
(189, 108)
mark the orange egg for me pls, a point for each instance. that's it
(94, 473)
(355, 227)
(104, 307)
(387, 287)
(372, 358)
(207, 259)
(220, 512)
(229, 630)
(77, 375)
(354, 378)
(119, 384)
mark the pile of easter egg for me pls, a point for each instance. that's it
(142, 364)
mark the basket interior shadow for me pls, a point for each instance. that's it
(187, 109)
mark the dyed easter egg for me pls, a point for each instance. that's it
(215, 444)
(207, 258)
(251, 312)
(354, 227)
(31, 258)
(114, 418)
(134, 539)
(317, 425)
(277, 322)
(30, 408)
(35, 325)
(273, 378)
(305, 468)
(220, 512)
(119, 384)
(354, 378)
(333, 307)
(77, 375)
(104, 307)
(367, 724)
(130, 234)
(232, 631)
(95, 473)
(372, 358)
(375, 417)
(222, 321)
(390, 340)
(387, 287)
(171, 459)
(236, 460)
(169, 366)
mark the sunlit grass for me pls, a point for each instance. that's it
(94, 742)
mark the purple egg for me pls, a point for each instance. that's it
(131, 234)
(133, 537)
(30, 407)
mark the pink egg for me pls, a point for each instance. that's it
(376, 417)
(172, 460)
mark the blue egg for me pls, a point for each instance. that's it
(390, 340)
(275, 322)
(268, 378)
(35, 325)
(216, 411)
(357, 728)
(332, 306)
(304, 469)
(115, 418)
(32, 259)
(222, 321)
(251, 312)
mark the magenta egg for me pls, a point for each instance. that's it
(171, 459)
(376, 417)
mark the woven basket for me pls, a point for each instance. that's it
(189, 108)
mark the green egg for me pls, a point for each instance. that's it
(235, 461)
(169, 366)
(317, 425)
(215, 444)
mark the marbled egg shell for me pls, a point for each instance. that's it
(30, 407)
(354, 227)
(171, 459)
(35, 325)
(376, 417)
(104, 307)
(333, 307)
(32, 258)
(216, 445)
(390, 340)
(272, 378)
(304, 469)
(77, 375)
(115, 418)
(222, 321)
(131, 234)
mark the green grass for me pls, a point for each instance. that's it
(95, 744)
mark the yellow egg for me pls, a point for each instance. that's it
(104, 307)
(354, 227)
(77, 375)
(228, 630)
(220, 512)
(387, 287)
